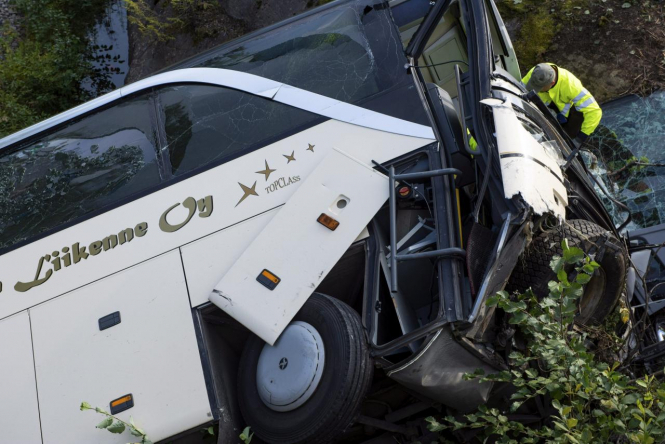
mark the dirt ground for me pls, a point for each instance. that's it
(615, 47)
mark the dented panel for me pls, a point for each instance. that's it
(530, 164)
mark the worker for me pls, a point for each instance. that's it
(576, 110)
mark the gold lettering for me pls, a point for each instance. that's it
(141, 229)
(190, 204)
(110, 242)
(126, 235)
(95, 248)
(25, 286)
(205, 206)
(66, 259)
(78, 253)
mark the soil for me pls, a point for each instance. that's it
(617, 49)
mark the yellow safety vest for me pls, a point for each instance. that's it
(569, 92)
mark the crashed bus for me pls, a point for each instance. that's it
(295, 231)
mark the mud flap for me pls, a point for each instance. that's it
(286, 262)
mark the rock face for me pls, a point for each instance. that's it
(232, 19)
(8, 15)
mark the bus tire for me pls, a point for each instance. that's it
(344, 380)
(606, 286)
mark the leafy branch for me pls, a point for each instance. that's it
(583, 399)
(116, 425)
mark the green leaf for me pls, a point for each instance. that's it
(136, 432)
(246, 435)
(85, 406)
(583, 278)
(564, 245)
(518, 317)
(116, 427)
(571, 423)
(573, 255)
(562, 276)
(492, 300)
(630, 398)
(105, 423)
(556, 263)
(211, 431)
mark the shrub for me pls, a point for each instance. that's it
(589, 400)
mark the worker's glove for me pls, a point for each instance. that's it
(561, 118)
(580, 139)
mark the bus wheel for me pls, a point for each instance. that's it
(308, 386)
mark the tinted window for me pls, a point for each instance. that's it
(91, 163)
(205, 123)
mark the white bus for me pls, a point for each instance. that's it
(294, 231)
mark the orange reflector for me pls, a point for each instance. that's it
(271, 277)
(121, 400)
(328, 222)
(404, 191)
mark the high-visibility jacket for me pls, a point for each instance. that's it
(569, 92)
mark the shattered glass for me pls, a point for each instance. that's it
(206, 123)
(91, 163)
(351, 52)
(626, 156)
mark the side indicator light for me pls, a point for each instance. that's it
(268, 279)
(122, 404)
(328, 222)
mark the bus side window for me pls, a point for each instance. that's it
(93, 162)
(205, 124)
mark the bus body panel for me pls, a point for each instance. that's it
(151, 354)
(19, 413)
(182, 213)
(210, 258)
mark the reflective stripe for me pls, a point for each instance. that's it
(586, 103)
(581, 95)
(566, 108)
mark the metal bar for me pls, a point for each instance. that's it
(393, 231)
(384, 425)
(446, 252)
(480, 298)
(464, 118)
(428, 174)
(404, 340)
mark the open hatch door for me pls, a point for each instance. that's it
(286, 262)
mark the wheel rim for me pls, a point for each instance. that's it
(593, 293)
(289, 372)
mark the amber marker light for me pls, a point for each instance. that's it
(328, 222)
(121, 400)
(122, 404)
(271, 277)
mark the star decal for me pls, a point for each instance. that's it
(267, 171)
(290, 158)
(311, 147)
(248, 192)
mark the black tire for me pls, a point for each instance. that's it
(346, 378)
(606, 286)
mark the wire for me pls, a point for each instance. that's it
(407, 66)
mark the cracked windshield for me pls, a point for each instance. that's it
(627, 158)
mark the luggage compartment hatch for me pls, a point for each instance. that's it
(298, 248)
